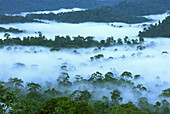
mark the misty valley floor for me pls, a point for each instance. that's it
(39, 64)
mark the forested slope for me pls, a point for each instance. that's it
(14, 19)
(162, 29)
(94, 15)
(139, 7)
(127, 11)
(13, 30)
(17, 6)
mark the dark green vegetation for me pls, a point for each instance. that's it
(67, 42)
(127, 12)
(162, 29)
(17, 6)
(94, 15)
(14, 19)
(13, 30)
(139, 7)
(61, 96)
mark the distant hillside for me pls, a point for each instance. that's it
(13, 30)
(95, 15)
(158, 30)
(126, 11)
(17, 6)
(139, 7)
(14, 19)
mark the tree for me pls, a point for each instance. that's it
(23, 105)
(33, 87)
(63, 105)
(7, 35)
(157, 30)
(80, 96)
(144, 105)
(63, 80)
(34, 93)
(108, 76)
(141, 39)
(78, 79)
(119, 41)
(98, 56)
(140, 47)
(53, 93)
(7, 98)
(116, 98)
(110, 41)
(165, 93)
(15, 83)
(134, 41)
(84, 108)
(128, 108)
(96, 77)
(137, 76)
(127, 74)
(126, 39)
(165, 107)
(100, 107)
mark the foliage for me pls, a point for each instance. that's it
(33, 87)
(126, 74)
(64, 42)
(115, 96)
(162, 29)
(64, 105)
(17, 6)
(13, 30)
(91, 15)
(36, 98)
(63, 80)
(126, 11)
(7, 98)
(165, 93)
(128, 108)
(80, 96)
(100, 107)
(139, 7)
(4, 19)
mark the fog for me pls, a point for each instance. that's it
(157, 17)
(42, 65)
(98, 30)
(53, 11)
(39, 64)
(149, 62)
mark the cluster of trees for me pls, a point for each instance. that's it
(63, 96)
(17, 6)
(162, 29)
(139, 7)
(91, 15)
(13, 30)
(67, 42)
(101, 56)
(126, 11)
(4, 19)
